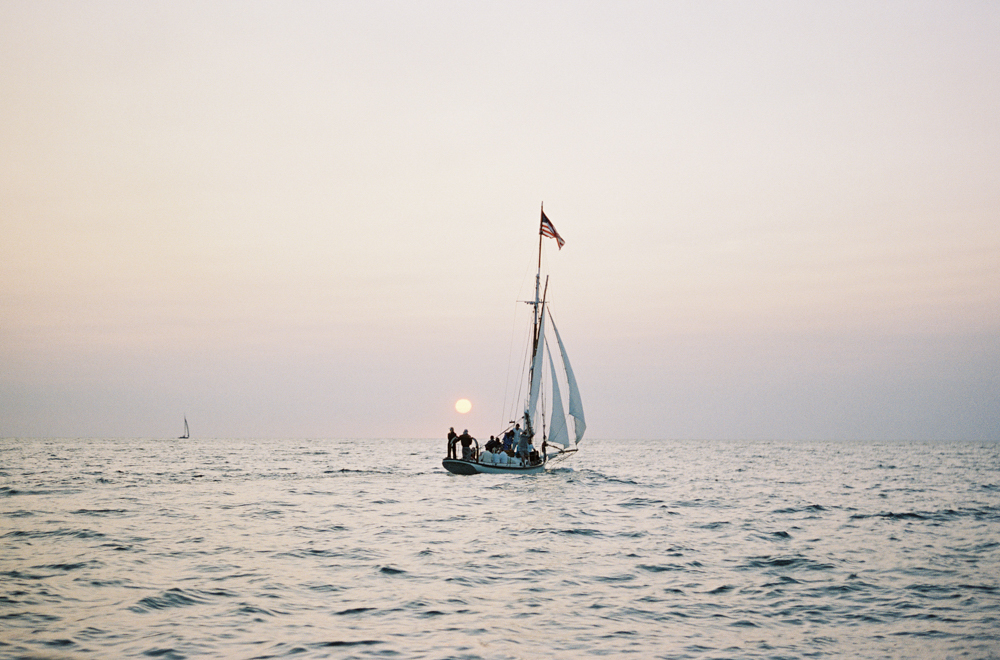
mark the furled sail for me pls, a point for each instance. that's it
(536, 371)
(575, 402)
(558, 434)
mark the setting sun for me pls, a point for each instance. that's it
(463, 406)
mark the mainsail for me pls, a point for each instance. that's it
(558, 432)
(535, 387)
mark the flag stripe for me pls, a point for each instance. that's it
(548, 229)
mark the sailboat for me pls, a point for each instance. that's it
(187, 432)
(536, 439)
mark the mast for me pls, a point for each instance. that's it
(539, 308)
(535, 372)
(538, 281)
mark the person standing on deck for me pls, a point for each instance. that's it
(452, 438)
(509, 436)
(522, 445)
(466, 441)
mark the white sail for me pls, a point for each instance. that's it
(575, 402)
(558, 433)
(536, 371)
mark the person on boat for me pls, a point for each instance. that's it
(508, 438)
(466, 441)
(545, 450)
(493, 444)
(452, 438)
(523, 442)
(486, 456)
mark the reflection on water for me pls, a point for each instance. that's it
(333, 548)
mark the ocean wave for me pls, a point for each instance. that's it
(99, 512)
(19, 513)
(177, 597)
(8, 491)
(343, 643)
(810, 508)
(641, 502)
(793, 562)
(391, 570)
(682, 550)
(943, 515)
(354, 610)
(54, 533)
(660, 568)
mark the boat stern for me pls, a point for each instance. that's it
(456, 466)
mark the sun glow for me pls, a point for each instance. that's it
(463, 406)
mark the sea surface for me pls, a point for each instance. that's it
(200, 548)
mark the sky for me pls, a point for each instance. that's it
(316, 219)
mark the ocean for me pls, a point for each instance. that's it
(203, 548)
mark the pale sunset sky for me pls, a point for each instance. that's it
(315, 219)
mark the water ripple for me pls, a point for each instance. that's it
(329, 548)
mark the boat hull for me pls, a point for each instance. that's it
(460, 466)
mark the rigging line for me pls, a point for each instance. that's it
(542, 415)
(513, 412)
(510, 360)
(525, 359)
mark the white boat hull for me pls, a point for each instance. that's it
(462, 466)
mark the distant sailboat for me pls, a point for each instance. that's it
(187, 432)
(558, 444)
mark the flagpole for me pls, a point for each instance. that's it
(539, 248)
(538, 282)
(534, 333)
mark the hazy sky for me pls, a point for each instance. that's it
(314, 219)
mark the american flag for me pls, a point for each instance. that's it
(547, 229)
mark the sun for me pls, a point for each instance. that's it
(463, 406)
